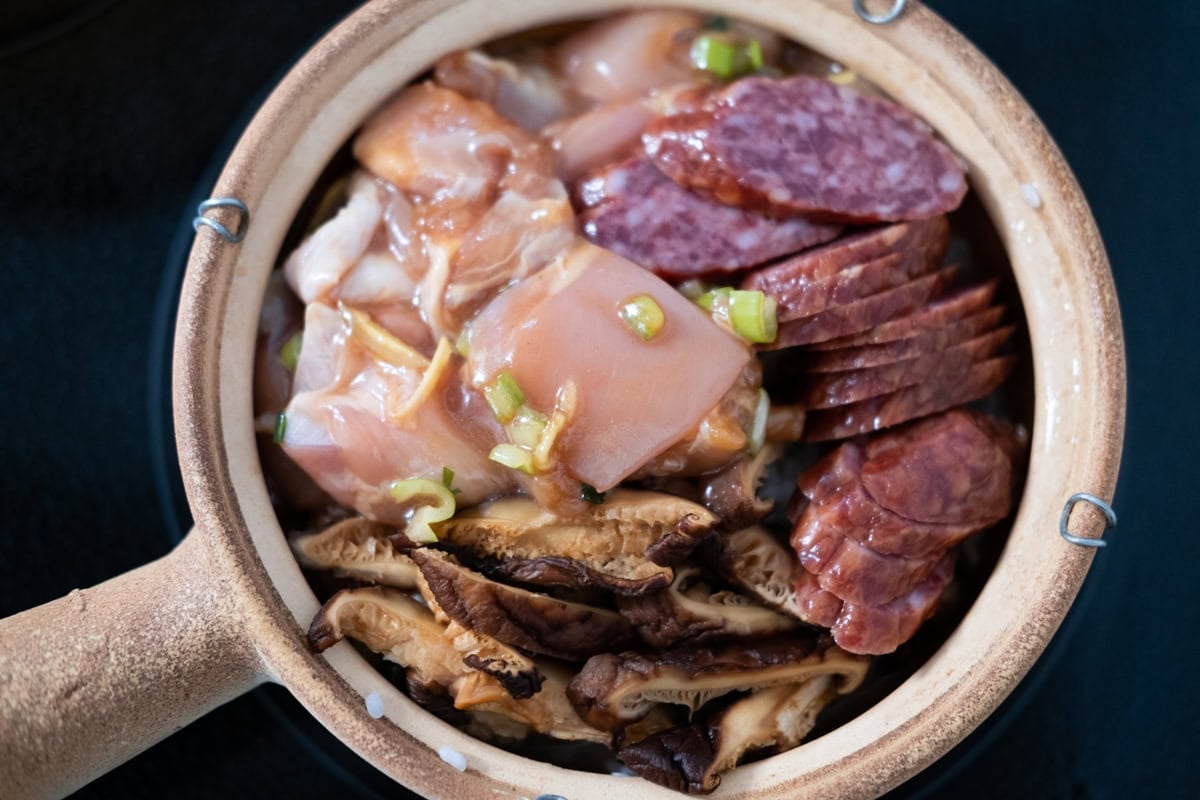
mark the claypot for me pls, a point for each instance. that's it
(89, 680)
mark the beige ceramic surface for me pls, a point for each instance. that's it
(91, 679)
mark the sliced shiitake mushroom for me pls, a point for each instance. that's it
(548, 712)
(402, 630)
(690, 611)
(692, 758)
(732, 493)
(533, 622)
(757, 562)
(627, 543)
(615, 690)
(360, 548)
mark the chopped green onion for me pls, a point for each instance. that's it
(505, 397)
(726, 55)
(692, 289)
(713, 297)
(588, 494)
(510, 455)
(752, 316)
(643, 316)
(526, 428)
(439, 506)
(718, 23)
(758, 431)
(289, 354)
(448, 478)
(280, 427)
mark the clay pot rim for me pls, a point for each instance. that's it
(919, 59)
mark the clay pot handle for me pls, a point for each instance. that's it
(94, 678)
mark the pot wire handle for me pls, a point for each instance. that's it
(860, 8)
(1110, 519)
(202, 218)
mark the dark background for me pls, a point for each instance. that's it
(112, 116)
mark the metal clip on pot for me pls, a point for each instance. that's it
(860, 8)
(201, 218)
(1110, 519)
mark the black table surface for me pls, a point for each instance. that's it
(112, 116)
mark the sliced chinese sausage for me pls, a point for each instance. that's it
(691, 758)
(825, 262)
(876, 630)
(401, 630)
(835, 483)
(360, 548)
(635, 210)
(530, 621)
(908, 404)
(934, 316)
(855, 283)
(953, 468)
(690, 611)
(613, 690)
(849, 569)
(852, 267)
(863, 314)
(865, 356)
(842, 388)
(625, 544)
(802, 145)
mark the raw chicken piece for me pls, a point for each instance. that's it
(369, 411)
(635, 398)
(487, 206)
(626, 56)
(527, 93)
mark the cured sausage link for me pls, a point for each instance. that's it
(863, 314)
(865, 356)
(825, 262)
(803, 145)
(638, 212)
(907, 404)
(843, 388)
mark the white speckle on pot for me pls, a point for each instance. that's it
(371, 546)
(453, 758)
(374, 705)
(1031, 195)
(1017, 225)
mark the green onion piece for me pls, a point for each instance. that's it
(712, 296)
(448, 478)
(752, 316)
(433, 502)
(718, 23)
(510, 455)
(505, 397)
(726, 56)
(289, 354)
(588, 494)
(643, 316)
(693, 289)
(526, 428)
(758, 431)
(280, 427)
